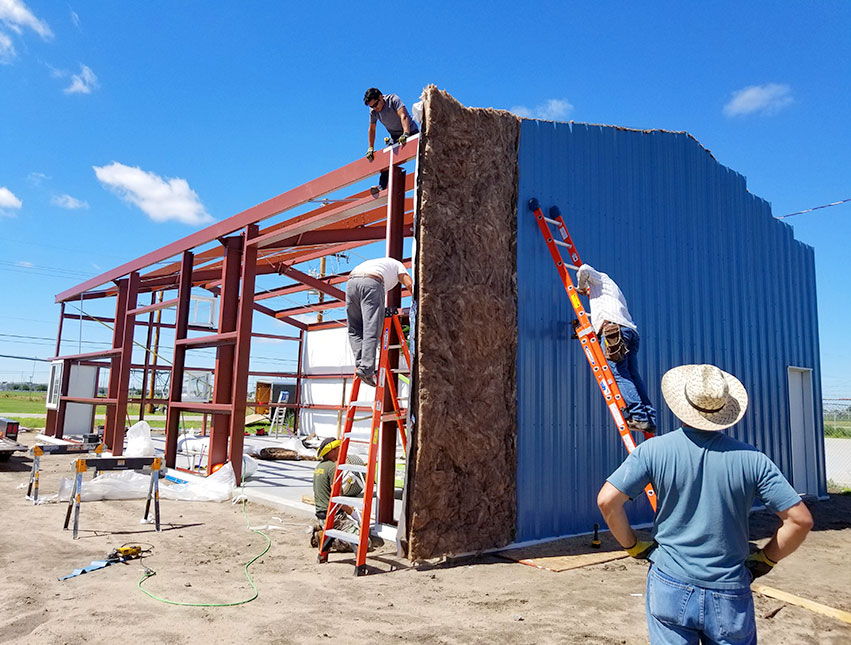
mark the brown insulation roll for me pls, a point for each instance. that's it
(461, 488)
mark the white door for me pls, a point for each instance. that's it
(802, 427)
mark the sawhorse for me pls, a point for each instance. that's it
(115, 463)
(51, 449)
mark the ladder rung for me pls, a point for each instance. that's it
(394, 347)
(401, 371)
(360, 404)
(345, 536)
(357, 438)
(552, 221)
(392, 416)
(352, 468)
(356, 502)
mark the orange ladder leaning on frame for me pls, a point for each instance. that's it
(582, 326)
(392, 328)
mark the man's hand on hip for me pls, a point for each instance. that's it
(641, 549)
(758, 564)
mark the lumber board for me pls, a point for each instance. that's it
(792, 599)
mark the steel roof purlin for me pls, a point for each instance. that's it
(324, 185)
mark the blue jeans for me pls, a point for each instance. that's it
(638, 406)
(679, 613)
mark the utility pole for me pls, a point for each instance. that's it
(321, 294)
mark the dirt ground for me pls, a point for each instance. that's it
(200, 554)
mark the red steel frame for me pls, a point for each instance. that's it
(241, 251)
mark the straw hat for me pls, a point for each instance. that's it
(704, 397)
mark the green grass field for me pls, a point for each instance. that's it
(31, 402)
(837, 429)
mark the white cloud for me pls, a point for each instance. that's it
(161, 199)
(36, 178)
(765, 99)
(7, 49)
(16, 16)
(549, 110)
(75, 18)
(24, 263)
(82, 83)
(66, 201)
(8, 199)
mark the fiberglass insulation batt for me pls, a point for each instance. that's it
(461, 489)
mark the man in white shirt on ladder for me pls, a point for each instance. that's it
(618, 336)
(366, 288)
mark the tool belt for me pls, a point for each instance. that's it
(614, 347)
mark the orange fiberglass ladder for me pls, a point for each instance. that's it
(360, 540)
(582, 326)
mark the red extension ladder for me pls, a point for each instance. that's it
(582, 325)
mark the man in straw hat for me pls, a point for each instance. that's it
(698, 586)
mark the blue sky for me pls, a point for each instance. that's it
(124, 126)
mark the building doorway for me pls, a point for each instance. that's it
(802, 428)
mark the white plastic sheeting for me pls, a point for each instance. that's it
(327, 351)
(129, 484)
(139, 442)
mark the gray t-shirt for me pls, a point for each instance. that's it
(389, 116)
(706, 483)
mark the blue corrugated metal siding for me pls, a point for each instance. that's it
(710, 277)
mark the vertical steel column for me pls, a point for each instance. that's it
(387, 460)
(243, 350)
(297, 401)
(59, 332)
(153, 406)
(175, 392)
(147, 362)
(119, 410)
(115, 362)
(223, 376)
(50, 419)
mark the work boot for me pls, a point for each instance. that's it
(641, 426)
(366, 377)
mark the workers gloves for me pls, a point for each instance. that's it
(402, 139)
(642, 549)
(370, 154)
(758, 564)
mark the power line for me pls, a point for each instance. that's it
(815, 208)
(23, 358)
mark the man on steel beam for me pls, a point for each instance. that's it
(366, 288)
(389, 109)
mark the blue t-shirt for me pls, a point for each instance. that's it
(389, 117)
(705, 483)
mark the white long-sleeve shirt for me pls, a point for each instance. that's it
(607, 301)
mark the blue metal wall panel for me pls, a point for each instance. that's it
(710, 277)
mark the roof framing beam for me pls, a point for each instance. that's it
(334, 180)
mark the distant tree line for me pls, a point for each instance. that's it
(23, 386)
